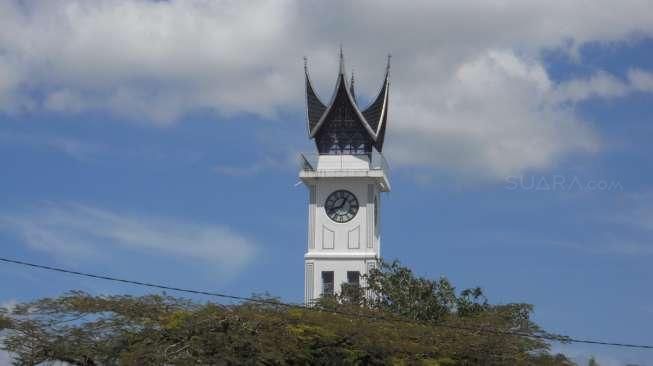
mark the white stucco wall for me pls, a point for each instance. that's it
(341, 247)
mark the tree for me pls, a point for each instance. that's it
(409, 321)
(398, 290)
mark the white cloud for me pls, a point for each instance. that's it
(83, 232)
(469, 89)
(641, 80)
(9, 82)
(599, 85)
(603, 85)
(144, 59)
(492, 116)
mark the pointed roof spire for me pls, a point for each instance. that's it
(351, 86)
(387, 67)
(342, 62)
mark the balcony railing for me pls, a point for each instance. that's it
(309, 161)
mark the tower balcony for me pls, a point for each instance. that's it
(365, 166)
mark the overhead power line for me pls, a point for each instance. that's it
(290, 305)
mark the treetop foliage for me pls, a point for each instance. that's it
(402, 320)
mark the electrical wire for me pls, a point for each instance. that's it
(563, 339)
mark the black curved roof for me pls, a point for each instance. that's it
(340, 127)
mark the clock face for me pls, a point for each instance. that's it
(341, 206)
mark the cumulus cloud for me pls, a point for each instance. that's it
(640, 80)
(492, 115)
(603, 85)
(599, 85)
(146, 59)
(469, 89)
(84, 232)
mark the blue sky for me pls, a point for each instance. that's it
(157, 141)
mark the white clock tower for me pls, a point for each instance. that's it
(344, 180)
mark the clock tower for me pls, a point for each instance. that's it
(345, 180)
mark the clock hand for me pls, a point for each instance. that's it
(335, 208)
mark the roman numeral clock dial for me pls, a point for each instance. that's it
(341, 206)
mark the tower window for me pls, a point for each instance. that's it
(353, 277)
(327, 282)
